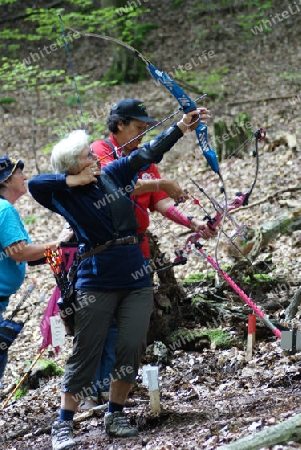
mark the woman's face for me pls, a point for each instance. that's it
(16, 183)
(86, 158)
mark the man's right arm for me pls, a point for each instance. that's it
(153, 151)
(171, 187)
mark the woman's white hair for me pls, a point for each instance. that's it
(64, 156)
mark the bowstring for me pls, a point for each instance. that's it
(72, 72)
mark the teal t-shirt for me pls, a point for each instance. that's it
(12, 231)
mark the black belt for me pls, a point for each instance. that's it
(141, 237)
(99, 248)
(3, 299)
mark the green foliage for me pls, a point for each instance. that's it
(71, 101)
(177, 3)
(196, 301)
(12, 33)
(256, 18)
(177, 334)
(6, 2)
(49, 368)
(121, 23)
(260, 277)
(90, 20)
(217, 336)
(211, 84)
(290, 76)
(18, 75)
(45, 368)
(29, 220)
(207, 7)
(15, 74)
(21, 392)
(199, 277)
(7, 100)
(250, 14)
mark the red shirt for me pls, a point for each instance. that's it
(142, 202)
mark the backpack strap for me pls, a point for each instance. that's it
(113, 148)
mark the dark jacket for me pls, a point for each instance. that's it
(102, 211)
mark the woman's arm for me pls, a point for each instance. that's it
(20, 251)
(166, 208)
(42, 188)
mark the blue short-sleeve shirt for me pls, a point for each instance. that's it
(12, 231)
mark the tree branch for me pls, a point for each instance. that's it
(267, 198)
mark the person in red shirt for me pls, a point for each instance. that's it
(127, 120)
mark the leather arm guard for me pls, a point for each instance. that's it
(173, 214)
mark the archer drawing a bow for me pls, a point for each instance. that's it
(188, 105)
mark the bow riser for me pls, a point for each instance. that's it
(187, 105)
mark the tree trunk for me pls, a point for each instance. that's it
(125, 66)
(167, 295)
(288, 430)
(228, 139)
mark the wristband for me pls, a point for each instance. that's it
(189, 124)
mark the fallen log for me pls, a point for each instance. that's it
(291, 310)
(257, 239)
(288, 430)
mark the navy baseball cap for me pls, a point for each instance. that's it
(8, 166)
(132, 108)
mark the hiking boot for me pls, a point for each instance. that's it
(61, 435)
(117, 425)
(88, 403)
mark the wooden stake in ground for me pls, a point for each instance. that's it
(153, 388)
(251, 336)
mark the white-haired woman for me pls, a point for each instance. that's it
(111, 277)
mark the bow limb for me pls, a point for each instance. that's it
(241, 199)
(187, 105)
(259, 136)
(184, 100)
